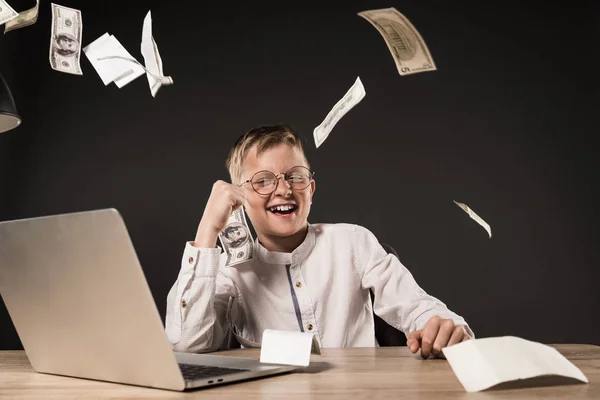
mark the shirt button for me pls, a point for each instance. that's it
(298, 284)
(309, 327)
(183, 303)
(191, 260)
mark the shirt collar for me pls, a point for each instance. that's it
(295, 257)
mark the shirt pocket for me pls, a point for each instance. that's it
(174, 327)
(246, 343)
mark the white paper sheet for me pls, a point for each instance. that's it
(152, 59)
(287, 347)
(482, 363)
(353, 96)
(112, 70)
(475, 217)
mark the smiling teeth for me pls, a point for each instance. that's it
(281, 208)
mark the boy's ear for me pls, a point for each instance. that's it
(313, 187)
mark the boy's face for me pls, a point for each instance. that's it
(266, 222)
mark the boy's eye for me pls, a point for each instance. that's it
(296, 178)
(262, 181)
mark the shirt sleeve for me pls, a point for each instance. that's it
(197, 303)
(399, 300)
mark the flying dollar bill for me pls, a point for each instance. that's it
(236, 239)
(6, 12)
(25, 18)
(404, 41)
(352, 97)
(475, 217)
(154, 67)
(65, 40)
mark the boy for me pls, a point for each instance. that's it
(309, 277)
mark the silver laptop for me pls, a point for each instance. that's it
(80, 303)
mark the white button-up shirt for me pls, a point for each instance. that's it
(322, 287)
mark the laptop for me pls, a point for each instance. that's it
(77, 295)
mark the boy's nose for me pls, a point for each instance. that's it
(283, 187)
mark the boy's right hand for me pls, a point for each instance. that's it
(224, 199)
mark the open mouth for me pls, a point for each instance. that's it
(286, 209)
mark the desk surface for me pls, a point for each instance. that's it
(357, 373)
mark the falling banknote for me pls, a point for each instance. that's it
(25, 18)
(154, 67)
(404, 41)
(350, 99)
(6, 12)
(475, 217)
(65, 40)
(236, 239)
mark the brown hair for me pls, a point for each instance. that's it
(263, 137)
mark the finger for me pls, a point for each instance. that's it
(415, 335)
(239, 202)
(238, 197)
(458, 334)
(413, 345)
(429, 333)
(413, 341)
(443, 336)
(238, 191)
(244, 195)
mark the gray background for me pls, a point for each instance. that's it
(505, 125)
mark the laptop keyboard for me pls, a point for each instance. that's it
(193, 372)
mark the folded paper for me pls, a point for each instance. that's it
(482, 363)
(112, 61)
(287, 347)
(154, 66)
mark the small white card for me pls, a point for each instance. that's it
(116, 70)
(287, 347)
(482, 363)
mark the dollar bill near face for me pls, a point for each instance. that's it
(408, 48)
(350, 99)
(65, 39)
(236, 239)
(25, 18)
(475, 217)
(6, 12)
(152, 60)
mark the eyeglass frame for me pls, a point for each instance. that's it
(311, 178)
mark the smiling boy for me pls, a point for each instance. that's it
(315, 278)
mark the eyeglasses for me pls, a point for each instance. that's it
(265, 182)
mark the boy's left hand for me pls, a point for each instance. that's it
(437, 334)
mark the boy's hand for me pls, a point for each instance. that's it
(437, 334)
(224, 198)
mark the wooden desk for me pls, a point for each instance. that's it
(351, 373)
